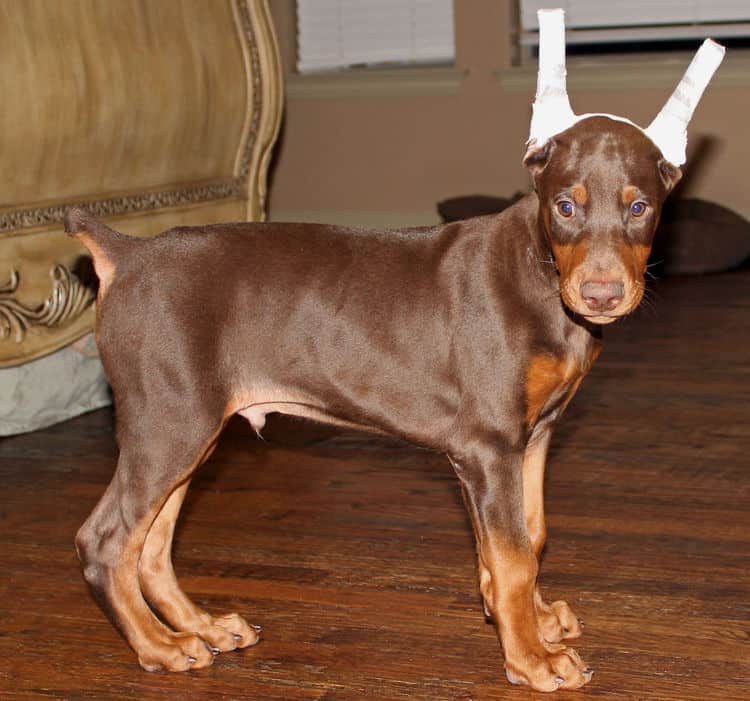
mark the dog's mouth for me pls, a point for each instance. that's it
(577, 304)
(602, 319)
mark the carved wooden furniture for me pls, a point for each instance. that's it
(151, 114)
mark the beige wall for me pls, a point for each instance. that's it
(389, 158)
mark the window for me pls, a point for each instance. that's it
(336, 34)
(599, 26)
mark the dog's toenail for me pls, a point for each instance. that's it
(559, 680)
(512, 678)
(192, 660)
(258, 629)
(215, 650)
(236, 636)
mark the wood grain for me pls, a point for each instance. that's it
(355, 554)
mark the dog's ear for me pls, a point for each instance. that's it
(670, 174)
(537, 157)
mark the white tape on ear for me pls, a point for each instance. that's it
(551, 111)
(669, 130)
(553, 114)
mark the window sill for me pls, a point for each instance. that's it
(631, 73)
(397, 82)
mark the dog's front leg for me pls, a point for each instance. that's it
(493, 484)
(557, 620)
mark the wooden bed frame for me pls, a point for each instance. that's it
(151, 114)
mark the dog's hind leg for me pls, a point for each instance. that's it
(161, 589)
(557, 620)
(159, 450)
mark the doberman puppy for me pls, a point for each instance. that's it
(468, 338)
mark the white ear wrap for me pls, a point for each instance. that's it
(669, 130)
(551, 111)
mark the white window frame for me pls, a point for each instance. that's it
(617, 22)
(341, 34)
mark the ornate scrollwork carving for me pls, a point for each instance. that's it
(69, 299)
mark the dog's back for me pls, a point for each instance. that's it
(252, 313)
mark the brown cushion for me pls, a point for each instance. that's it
(696, 236)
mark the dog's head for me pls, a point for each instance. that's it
(601, 179)
(601, 184)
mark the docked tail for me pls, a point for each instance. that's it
(79, 222)
(104, 244)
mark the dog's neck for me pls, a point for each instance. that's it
(539, 249)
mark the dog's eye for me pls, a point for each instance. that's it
(566, 208)
(638, 209)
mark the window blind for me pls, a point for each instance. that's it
(605, 21)
(342, 33)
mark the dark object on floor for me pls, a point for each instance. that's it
(458, 208)
(694, 237)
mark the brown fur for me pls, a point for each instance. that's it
(468, 338)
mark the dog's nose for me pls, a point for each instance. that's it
(602, 296)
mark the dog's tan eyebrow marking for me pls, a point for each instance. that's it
(580, 194)
(629, 194)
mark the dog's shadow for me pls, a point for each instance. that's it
(279, 431)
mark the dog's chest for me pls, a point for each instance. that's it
(552, 379)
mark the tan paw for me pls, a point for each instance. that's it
(175, 652)
(230, 632)
(557, 620)
(559, 669)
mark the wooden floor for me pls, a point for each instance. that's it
(356, 557)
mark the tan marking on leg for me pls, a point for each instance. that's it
(533, 491)
(556, 621)
(510, 594)
(118, 560)
(156, 645)
(162, 590)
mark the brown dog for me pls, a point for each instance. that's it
(468, 338)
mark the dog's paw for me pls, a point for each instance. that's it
(560, 668)
(230, 632)
(177, 652)
(557, 621)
